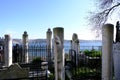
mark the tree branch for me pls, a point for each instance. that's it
(105, 3)
(98, 19)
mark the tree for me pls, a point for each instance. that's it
(106, 8)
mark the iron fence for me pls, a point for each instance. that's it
(83, 67)
(37, 54)
(34, 51)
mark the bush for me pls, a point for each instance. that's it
(51, 76)
(92, 53)
(37, 60)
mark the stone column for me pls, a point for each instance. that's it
(75, 46)
(58, 53)
(49, 45)
(8, 50)
(107, 47)
(25, 48)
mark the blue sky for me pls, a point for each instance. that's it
(36, 16)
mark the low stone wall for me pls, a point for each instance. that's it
(14, 71)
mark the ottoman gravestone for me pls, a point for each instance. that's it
(58, 53)
(107, 49)
(8, 50)
(25, 48)
(116, 52)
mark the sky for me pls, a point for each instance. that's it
(36, 16)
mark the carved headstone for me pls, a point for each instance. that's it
(58, 53)
(25, 48)
(107, 47)
(8, 50)
(116, 58)
(117, 32)
(49, 44)
(116, 53)
(75, 46)
(1, 51)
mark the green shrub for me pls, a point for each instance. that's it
(37, 60)
(92, 53)
(51, 76)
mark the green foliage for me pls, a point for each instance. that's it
(51, 76)
(37, 60)
(92, 53)
(86, 72)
